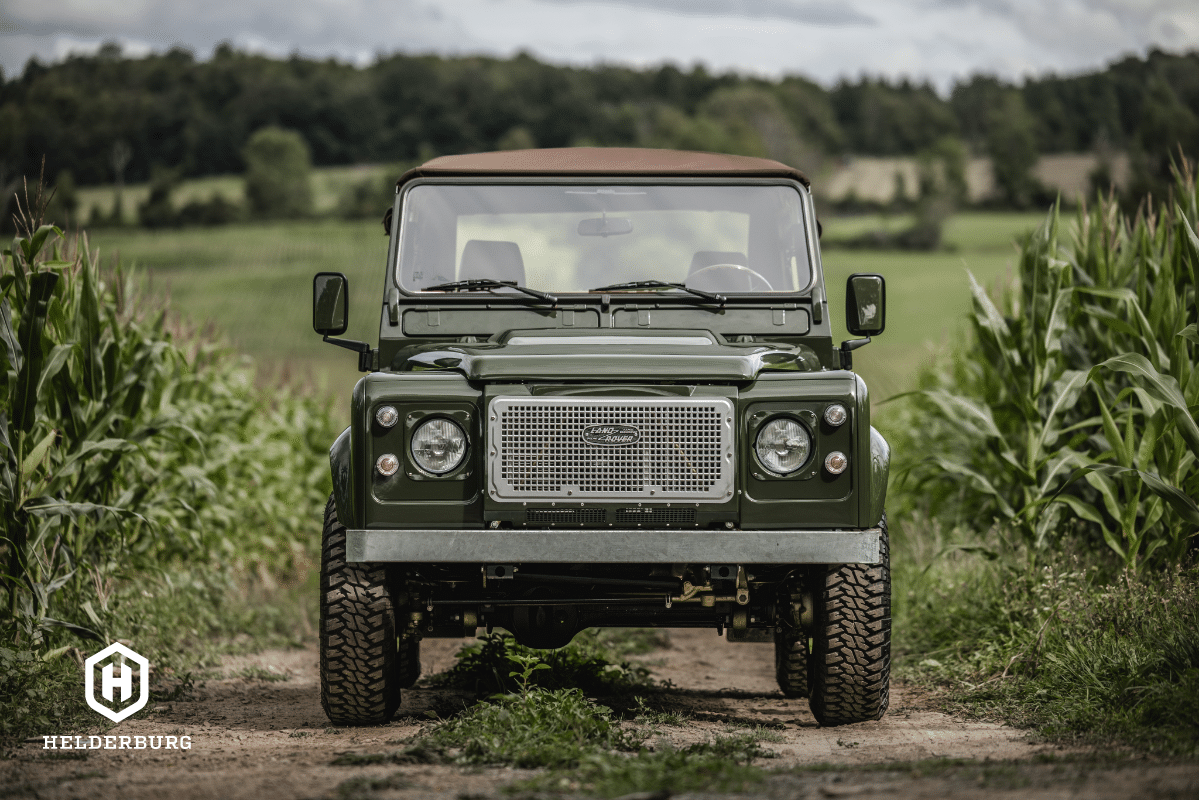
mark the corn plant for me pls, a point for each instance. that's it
(1075, 402)
(125, 447)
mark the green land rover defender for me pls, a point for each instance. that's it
(606, 394)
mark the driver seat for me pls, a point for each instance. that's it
(500, 261)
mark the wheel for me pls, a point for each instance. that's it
(408, 661)
(359, 681)
(791, 662)
(726, 277)
(850, 673)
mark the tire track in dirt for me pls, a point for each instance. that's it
(270, 739)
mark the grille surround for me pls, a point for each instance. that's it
(536, 449)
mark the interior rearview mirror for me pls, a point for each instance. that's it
(605, 226)
(330, 305)
(865, 304)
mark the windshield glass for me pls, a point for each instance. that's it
(563, 238)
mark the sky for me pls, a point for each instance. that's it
(938, 41)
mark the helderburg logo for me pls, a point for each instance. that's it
(611, 435)
(116, 681)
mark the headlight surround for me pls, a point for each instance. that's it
(438, 446)
(783, 445)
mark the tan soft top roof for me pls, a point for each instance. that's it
(599, 161)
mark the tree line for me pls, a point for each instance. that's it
(107, 118)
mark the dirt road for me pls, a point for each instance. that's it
(268, 739)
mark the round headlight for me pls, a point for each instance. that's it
(783, 445)
(387, 465)
(438, 446)
(387, 416)
(835, 415)
(836, 462)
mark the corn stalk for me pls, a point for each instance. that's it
(1084, 369)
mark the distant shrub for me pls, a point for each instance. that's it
(157, 210)
(278, 169)
(216, 210)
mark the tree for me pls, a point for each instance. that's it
(278, 168)
(1012, 145)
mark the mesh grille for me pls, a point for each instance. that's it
(678, 448)
(567, 516)
(655, 516)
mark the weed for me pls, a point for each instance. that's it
(1065, 647)
(720, 765)
(491, 667)
(646, 715)
(541, 728)
(267, 674)
(617, 643)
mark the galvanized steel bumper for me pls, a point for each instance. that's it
(614, 546)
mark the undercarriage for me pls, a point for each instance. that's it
(544, 605)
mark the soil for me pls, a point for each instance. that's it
(268, 738)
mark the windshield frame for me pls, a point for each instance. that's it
(395, 253)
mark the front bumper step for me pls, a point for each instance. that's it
(485, 546)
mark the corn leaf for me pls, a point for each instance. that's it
(1162, 387)
(37, 455)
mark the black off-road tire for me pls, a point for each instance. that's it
(791, 662)
(408, 661)
(359, 684)
(850, 674)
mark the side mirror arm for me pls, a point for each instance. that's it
(847, 348)
(365, 355)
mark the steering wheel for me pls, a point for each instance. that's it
(726, 277)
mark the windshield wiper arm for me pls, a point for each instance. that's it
(488, 283)
(718, 298)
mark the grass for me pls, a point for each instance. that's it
(927, 299)
(579, 744)
(328, 183)
(182, 621)
(1065, 644)
(593, 662)
(253, 284)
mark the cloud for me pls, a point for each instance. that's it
(352, 29)
(815, 13)
(936, 40)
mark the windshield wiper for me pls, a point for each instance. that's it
(718, 298)
(475, 284)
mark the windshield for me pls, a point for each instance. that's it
(564, 238)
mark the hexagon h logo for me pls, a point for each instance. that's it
(109, 682)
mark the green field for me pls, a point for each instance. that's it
(253, 284)
(328, 185)
(928, 294)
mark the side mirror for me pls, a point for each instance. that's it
(865, 304)
(330, 305)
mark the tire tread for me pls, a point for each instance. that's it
(851, 660)
(357, 635)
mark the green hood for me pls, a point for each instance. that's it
(691, 356)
